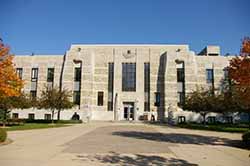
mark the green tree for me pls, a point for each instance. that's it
(54, 100)
(203, 102)
(12, 102)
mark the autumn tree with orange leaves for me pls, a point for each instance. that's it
(239, 73)
(10, 83)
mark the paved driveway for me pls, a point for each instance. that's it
(111, 144)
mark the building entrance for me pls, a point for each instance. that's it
(128, 113)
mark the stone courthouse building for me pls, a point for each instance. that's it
(122, 82)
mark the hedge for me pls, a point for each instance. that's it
(3, 135)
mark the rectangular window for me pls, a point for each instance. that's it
(181, 98)
(77, 77)
(76, 97)
(180, 75)
(157, 99)
(47, 116)
(210, 75)
(50, 74)
(128, 77)
(146, 86)
(110, 86)
(34, 74)
(33, 95)
(15, 116)
(19, 72)
(31, 116)
(100, 99)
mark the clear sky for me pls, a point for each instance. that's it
(51, 26)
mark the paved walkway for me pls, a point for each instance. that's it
(112, 144)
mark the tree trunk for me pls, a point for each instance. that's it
(58, 115)
(4, 117)
(204, 118)
(53, 112)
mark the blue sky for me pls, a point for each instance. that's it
(51, 26)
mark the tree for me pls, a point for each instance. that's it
(10, 83)
(8, 103)
(54, 99)
(203, 102)
(239, 73)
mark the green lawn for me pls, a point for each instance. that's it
(216, 127)
(29, 126)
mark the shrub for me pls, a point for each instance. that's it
(246, 138)
(49, 121)
(3, 135)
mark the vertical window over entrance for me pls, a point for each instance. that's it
(100, 99)
(146, 86)
(129, 77)
(110, 86)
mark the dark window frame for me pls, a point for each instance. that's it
(100, 97)
(15, 115)
(50, 74)
(31, 116)
(34, 74)
(210, 75)
(180, 75)
(129, 77)
(76, 97)
(157, 99)
(110, 86)
(146, 87)
(19, 72)
(33, 94)
(77, 74)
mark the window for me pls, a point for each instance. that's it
(47, 116)
(34, 74)
(181, 98)
(33, 94)
(128, 77)
(110, 86)
(100, 99)
(146, 86)
(50, 74)
(19, 72)
(180, 75)
(157, 99)
(210, 75)
(76, 97)
(31, 116)
(15, 115)
(77, 77)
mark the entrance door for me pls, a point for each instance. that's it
(128, 113)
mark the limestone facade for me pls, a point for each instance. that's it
(94, 62)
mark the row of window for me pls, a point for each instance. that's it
(34, 74)
(31, 116)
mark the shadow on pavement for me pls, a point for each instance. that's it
(135, 160)
(181, 138)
